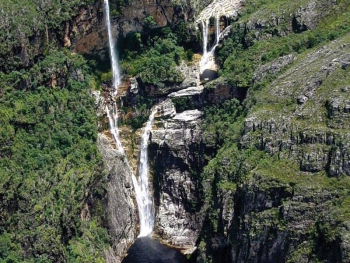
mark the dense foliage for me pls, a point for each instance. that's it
(51, 190)
(155, 54)
(49, 164)
(29, 26)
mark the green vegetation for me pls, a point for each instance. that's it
(26, 26)
(243, 53)
(136, 116)
(118, 7)
(253, 163)
(155, 54)
(158, 65)
(183, 103)
(50, 169)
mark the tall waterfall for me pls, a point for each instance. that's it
(144, 201)
(113, 118)
(112, 51)
(143, 196)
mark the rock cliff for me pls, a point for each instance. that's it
(283, 208)
(175, 149)
(122, 211)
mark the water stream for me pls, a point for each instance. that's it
(143, 196)
(141, 185)
(205, 25)
(112, 51)
(207, 61)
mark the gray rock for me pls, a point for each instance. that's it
(134, 86)
(166, 109)
(122, 212)
(273, 67)
(172, 149)
(186, 116)
(187, 92)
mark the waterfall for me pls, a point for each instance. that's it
(113, 122)
(112, 51)
(113, 118)
(144, 201)
(207, 60)
(217, 30)
(143, 197)
(205, 25)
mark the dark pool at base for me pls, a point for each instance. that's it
(148, 250)
(208, 75)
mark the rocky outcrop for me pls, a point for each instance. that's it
(220, 90)
(175, 149)
(87, 33)
(297, 17)
(287, 131)
(191, 79)
(272, 68)
(122, 211)
(130, 17)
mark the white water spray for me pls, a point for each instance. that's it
(143, 196)
(112, 51)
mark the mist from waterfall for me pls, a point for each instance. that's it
(143, 196)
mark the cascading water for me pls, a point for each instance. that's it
(207, 60)
(205, 25)
(113, 121)
(144, 200)
(217, 30)
(113, 118)
(112, 51)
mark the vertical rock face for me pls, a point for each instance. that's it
(175, 151)
(122, 210)
(88, 31)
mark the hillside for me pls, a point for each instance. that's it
(252, 166)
